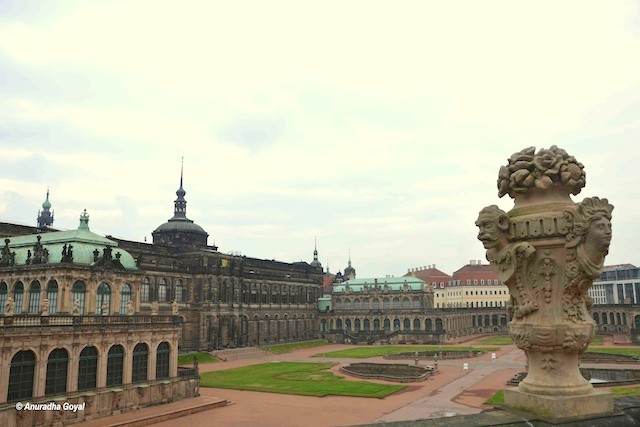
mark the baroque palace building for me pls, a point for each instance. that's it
(71, 330)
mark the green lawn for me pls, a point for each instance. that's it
(187, 359)
(286, 348)
(307, 379)
(496, 399)
(362, 352)
(616, 350)
(496, 340)
(625, 391)
(506, 340)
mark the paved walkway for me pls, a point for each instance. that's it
(441, 404)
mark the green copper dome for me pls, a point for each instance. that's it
(84, 245)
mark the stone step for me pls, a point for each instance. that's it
(155, 414)
(241, 353)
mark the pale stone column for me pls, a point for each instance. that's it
(152, 361)
(173, 358)
(72, 372)
(128, 363)
(114, 304)
(41, 371)
(101, 381)
(548, 250)
(5, 368)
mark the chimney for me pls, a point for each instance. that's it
(479, 262)
(472, 262)
(433, 266)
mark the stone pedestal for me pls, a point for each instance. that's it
(560, 407)
(547, 250)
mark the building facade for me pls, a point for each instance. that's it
(617, 284)
(71, 331)
(399, 310)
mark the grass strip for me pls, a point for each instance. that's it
(616, 350)
(496, 340)
(363, 352)
(286, 348)
(306, 379)
(187, 359)
(496, 398)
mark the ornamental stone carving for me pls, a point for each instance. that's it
(547, 250)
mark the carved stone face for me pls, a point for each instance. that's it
(599, 235)
(489, 233)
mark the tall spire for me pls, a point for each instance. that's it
(315, 262)
(349, 257)
(180, 204)
(45, 217)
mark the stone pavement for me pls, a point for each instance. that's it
(441, 404)
(269, 409)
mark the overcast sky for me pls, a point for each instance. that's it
(378, 127)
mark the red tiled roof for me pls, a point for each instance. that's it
(430, 275)
(474, 272)
(327, 281)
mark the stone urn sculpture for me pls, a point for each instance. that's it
(547, 250)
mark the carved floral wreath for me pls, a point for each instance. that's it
(528, 169)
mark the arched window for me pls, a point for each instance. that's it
(376, 303)
(428, 324)
(416, 324)
(34, 297)
(88, 368)
(396, 324)
(356, 325)
(103, 296)
(366, 324)
(162, 361)
(405, 302)
(274, 294)
(21, 373)
(178, 293)
(4, 290)
(77, 294)
(339, 324)
(347, 304)
(125, 297)
(406, 324)
(347, 324)
(57, 367)
(265, 290)
(396, 302)
(386, 303)
(338, 304)
(115, 360)
(376, 324)
(387, 325)
(144, 291)
(140, 362)
(356, 304)
(162, 291)
(416, 302)
(365, 304)
(254, 294)
(52, 296)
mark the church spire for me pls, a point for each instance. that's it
(45, 216)
(180, 204)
